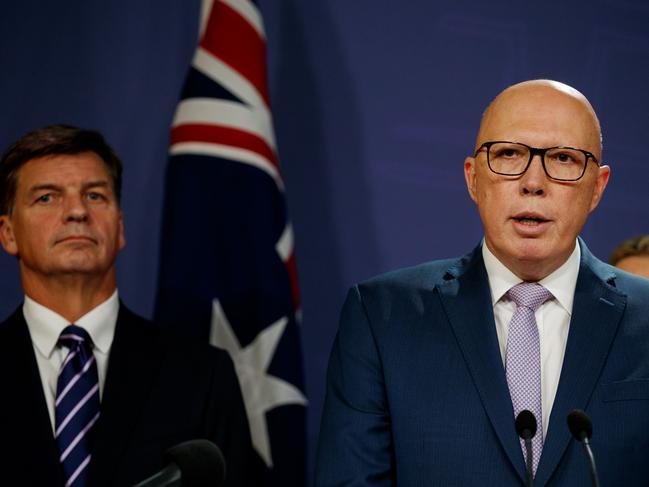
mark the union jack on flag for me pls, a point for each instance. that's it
(227, 258)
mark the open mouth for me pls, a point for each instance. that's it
(531, 220)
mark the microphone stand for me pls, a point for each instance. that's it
(585, 443)
(528, 459)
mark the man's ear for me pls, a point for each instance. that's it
(470, 177)
(121, 238)
(7, 237)
(600, 185)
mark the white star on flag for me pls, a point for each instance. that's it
(261, 391)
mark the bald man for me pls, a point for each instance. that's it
(432, 365)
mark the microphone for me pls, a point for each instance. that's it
(582, 429)
(526, 428)
(194, 463)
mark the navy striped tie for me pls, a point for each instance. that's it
(77, 405)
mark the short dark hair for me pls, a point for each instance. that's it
(53, 140)
(629, 248)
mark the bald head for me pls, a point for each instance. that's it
(540, 101)
(531, 221)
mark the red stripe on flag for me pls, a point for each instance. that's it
(218, 134)
(230, 37)
(291, 267)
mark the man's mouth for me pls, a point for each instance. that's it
(76, 238)
(530, 219)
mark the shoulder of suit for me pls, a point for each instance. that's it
(423, 276)
(629, 284)
(622, 281)
(14, 319)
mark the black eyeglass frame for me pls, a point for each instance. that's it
(533, 151)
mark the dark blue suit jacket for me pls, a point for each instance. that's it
(417, 395)
(160, 390)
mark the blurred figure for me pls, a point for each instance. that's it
(632, 255)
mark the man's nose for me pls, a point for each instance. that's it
(534, 180)
(75, 208)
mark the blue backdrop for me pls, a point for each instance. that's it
(376, 105)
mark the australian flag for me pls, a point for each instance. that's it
(227, 258)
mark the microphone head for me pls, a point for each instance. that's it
(200, 462)
(525, 424)
(580, 425)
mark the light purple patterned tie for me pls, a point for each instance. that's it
(524, 359)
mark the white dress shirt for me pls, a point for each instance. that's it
(552, 318)
(45, 326)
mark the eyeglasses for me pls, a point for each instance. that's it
(559, 163)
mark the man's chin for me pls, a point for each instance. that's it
(532, 249)
(522, 249)
(527, 258)
(80, 265)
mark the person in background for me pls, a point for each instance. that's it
(93, 395)
(632, 255)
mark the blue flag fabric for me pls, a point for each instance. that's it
(227, 270)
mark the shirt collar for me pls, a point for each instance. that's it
(561, 283)
(45, 326)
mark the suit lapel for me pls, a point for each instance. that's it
(466, 298)
(27, 415)
(133, 362)
(596, 314)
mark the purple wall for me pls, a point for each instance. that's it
(376, 105)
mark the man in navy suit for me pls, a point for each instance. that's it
(136, 391)
(432, 364)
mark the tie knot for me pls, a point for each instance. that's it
(74, 336)
(529, 294)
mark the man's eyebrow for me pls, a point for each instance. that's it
(57, 187)
(96, 184)
(44, 186)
